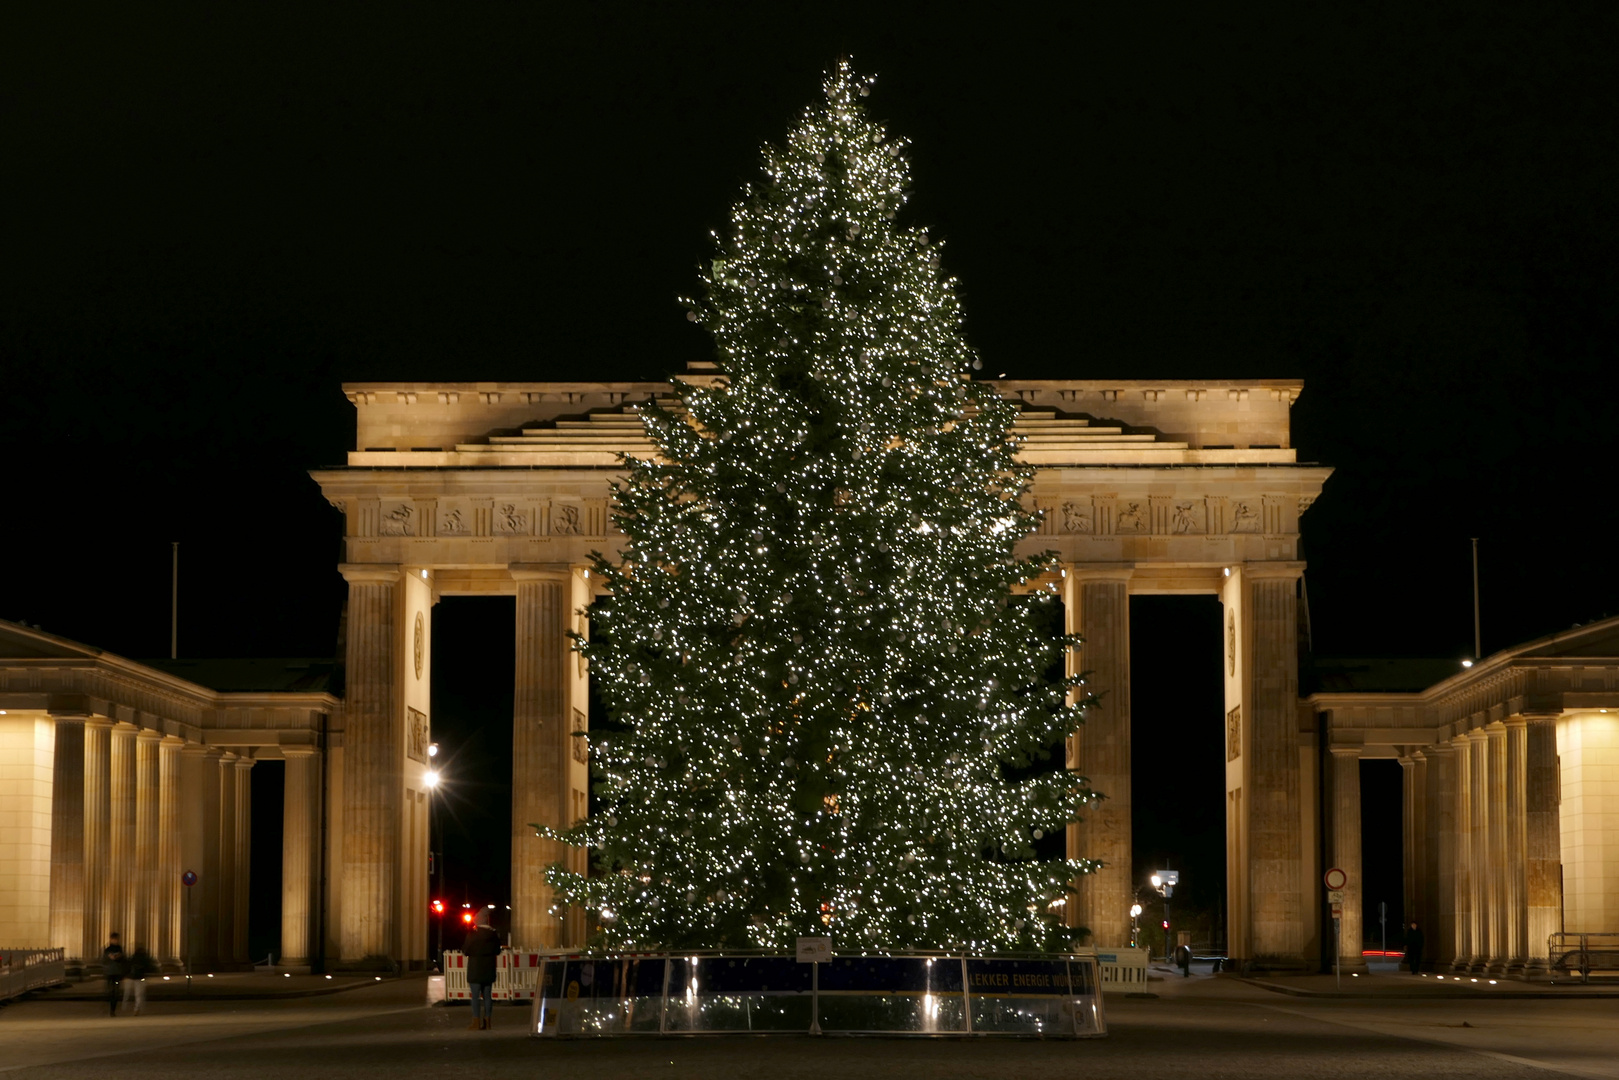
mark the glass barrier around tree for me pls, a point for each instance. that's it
(586, 996)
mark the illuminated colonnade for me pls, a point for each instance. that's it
(117, 777)
(1506, 767)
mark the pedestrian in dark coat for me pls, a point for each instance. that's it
(137, 965)
(112, 969)
(481, 949)
(1413, 949)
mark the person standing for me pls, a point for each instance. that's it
(139, 965)
(1413, 949)
(112, 969)
(481, 948)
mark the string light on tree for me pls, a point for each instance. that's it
(828, 703)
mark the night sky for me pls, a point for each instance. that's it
(213, 216)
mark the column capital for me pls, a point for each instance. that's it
(1438, 749)
(1272, 571)
(173, 740)
(522, 572)
(124, 727)
(1516, 720)
(1098, 571)
(149, 735)
(244, 761)
(68, 716)
(299, 751)
(1345, 751)
(197, 749)
(370, 573)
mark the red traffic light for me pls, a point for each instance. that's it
(466, 917)
(1166, 924)
(438, 907)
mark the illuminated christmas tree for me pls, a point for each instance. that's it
(831, 703)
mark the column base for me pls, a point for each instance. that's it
(1460, 965)
(1478, 967)
(1537, 968)
(1353, 965)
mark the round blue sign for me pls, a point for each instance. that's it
(188, 878)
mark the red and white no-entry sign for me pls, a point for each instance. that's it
(1335, 879)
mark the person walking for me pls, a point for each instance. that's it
(1413, 949)
(112, 969)
(139, 965)
(481, 948)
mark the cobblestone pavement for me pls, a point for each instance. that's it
(1204, 1028)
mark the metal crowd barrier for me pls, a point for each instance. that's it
(1048, 996)
(22, 970)
(1581, 954)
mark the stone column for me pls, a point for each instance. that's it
(199, 853)
(373, 763)
(120, 905)
(1275, 848)
(1441, 934)
(300, 848)
(540, 748)
(170, 944)
(1543, 841)
(243, 849)
(225, 899)
(144, 877)
(1500, 913)
(1346, 852)
(1462, 850)
(67, 839)
(97, 833)
(1098, 609)
(1478, 747)
(1414, 789)
(1514, 878)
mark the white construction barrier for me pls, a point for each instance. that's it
(516, 975)
(1122, 969)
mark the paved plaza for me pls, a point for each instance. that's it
(1202, 1027)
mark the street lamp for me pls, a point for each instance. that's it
(1165, 881)
(1135, 925)
(435, 859)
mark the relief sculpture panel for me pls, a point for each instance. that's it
(1078, 518)
(512, 519)
(453, 521)
(398, 520)
(1187, 517)
(1131, 517)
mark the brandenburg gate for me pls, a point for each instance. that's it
(478, 489)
